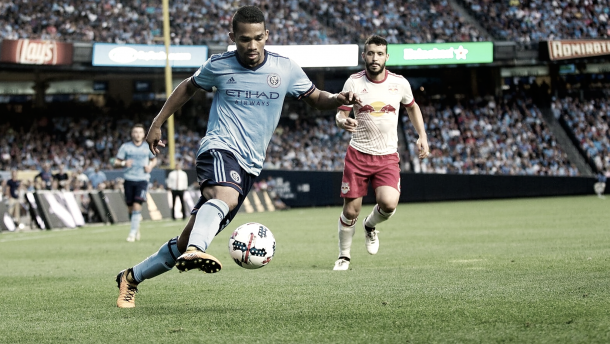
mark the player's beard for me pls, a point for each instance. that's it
(375, 73)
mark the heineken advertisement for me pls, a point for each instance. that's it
(440, 53)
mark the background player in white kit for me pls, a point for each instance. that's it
(250, 85)
(372, 153)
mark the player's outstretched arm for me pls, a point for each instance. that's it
(323, 100)
(345, 122)
(174, 102)
(417, 120)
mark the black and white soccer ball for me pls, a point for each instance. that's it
(252, 245)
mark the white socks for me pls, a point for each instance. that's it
(377, 216)
(347, 228)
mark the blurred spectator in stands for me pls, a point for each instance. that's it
(45, 177)
(61, 177)
(177, 182)
(80, 180)
(11, 192)
(97, 177)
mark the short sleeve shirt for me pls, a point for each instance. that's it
(140, 155)
(376, 133)
(247, 103)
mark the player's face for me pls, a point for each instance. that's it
(137, 135)
(250, 41)
(375, 57)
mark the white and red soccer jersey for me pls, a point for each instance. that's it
(376, 133)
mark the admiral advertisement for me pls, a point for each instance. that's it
(572, 49)
(142, 55)
(37, 52)
(440, 53)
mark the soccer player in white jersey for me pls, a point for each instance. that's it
(138, 161)
(372, 155)
(250, 84)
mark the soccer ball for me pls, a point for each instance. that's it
(252, 245)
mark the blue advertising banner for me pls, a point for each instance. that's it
(142, 55)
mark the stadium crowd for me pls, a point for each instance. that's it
(306, 21)
(397, 21)
(134, 21)
(208, 21)
(588, 120)
(532, 21)
(488, 136)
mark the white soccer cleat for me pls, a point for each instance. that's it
(371, 239)
(138, 235)
(131, 238)
(341, 264)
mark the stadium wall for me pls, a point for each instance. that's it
(308, 188)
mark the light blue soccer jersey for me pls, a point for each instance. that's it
(247, 103)
(140, 155)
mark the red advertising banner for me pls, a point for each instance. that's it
(29, 51)
(573, 49)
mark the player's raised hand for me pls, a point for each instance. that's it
(422, 146)
(348, 98)
(154, 140)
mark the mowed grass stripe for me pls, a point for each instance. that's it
(511, 271)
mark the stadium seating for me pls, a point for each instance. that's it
(398, 21)
(529, 22)
(488, 136)
(208, 22)
(588, 120)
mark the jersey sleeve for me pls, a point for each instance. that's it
(300, 86)
(204, 77)
(122, 153)
(347, 87)
(150, 154)
(407, 94)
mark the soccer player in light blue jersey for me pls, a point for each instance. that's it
(138, 161)
(250, 84)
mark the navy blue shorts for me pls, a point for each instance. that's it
(219, 167)
(135, 191)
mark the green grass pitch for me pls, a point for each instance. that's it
(504, 271)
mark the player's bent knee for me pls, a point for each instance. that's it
(351, 214)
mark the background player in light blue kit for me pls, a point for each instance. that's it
(250, 85)
(138, 161)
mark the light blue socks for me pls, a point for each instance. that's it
(136, 217)
(207, 223)
(158, 263)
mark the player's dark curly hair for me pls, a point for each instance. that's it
(377, 40)
(248, 14)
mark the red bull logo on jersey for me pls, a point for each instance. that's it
(393, 89)
(377, 109)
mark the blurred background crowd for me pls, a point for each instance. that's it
(308, 21)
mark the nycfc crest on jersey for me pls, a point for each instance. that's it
(274, 80)
(235, 176)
